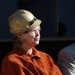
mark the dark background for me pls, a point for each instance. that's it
(57, 16)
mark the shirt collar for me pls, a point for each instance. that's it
(35, 54)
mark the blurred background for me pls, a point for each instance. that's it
(57, 28)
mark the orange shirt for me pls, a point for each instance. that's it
(18, 63)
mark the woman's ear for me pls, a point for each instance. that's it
(20, 35)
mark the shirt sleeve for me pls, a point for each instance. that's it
(11, 68)
(53, 65)
(66, 63)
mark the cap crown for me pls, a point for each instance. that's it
(20, 21)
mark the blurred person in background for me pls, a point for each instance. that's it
(66, 60)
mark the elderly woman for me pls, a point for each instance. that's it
(24, 59)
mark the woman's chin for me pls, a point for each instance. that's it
(36, 43)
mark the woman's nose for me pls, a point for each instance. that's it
(37, 33)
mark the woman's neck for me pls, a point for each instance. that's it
(27, 48)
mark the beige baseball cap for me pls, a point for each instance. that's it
(22, 20)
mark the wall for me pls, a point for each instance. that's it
(7, 7)
(46, 10)
(42, 9)
(66, 15)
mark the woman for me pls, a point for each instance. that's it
(24, 59)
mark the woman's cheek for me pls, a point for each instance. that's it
(28, 38)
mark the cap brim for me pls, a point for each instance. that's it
(35, 24)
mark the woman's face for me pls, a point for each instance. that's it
(32, 37)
